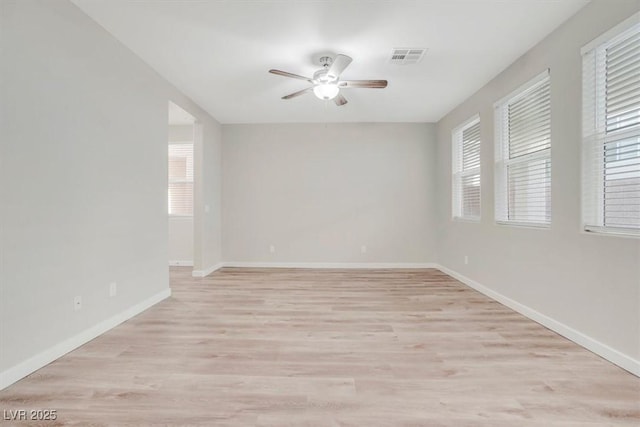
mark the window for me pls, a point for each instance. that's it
(523, 155)
(466, 170)
(181, 179)
(611, 131)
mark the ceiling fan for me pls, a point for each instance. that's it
(326, 81)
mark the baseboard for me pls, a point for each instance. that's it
(42, 359)
(320, 265)
(612, 355)
(207, 271)
(180, 263)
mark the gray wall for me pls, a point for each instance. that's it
(84, 172)
(180, 133)
(588, 282)
(318, 192)
(207, 195)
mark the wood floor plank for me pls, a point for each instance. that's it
(285, 347)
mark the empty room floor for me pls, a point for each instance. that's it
(283, 347)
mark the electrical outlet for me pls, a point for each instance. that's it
(466, 260)
(113, 289)
(77, 303)
(272, 248)
(363, 249)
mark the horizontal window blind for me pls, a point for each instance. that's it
(523, 155)
(611, 134)
(466, 170)
(181, 179)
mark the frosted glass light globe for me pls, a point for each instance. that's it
(326, 91)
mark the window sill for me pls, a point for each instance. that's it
(628, 233)
(532, 225)
(469, 220)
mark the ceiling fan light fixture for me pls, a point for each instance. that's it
(326, 83)
(326, 91)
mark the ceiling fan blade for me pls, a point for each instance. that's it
(298, 93)
(340, 62)
(340, 100)
(375, 84)
(293, 76)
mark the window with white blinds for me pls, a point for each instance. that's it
(523, 155)
(181, 179)
(611, 131)
(466, 170)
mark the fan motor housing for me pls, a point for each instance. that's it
(321, 76)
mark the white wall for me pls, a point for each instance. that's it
(318, 192)
(180, 240)
(84, 172)
(181, 227)
(587, 282)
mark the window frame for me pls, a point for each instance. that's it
(594, 131)
(502, 160)
(458, 173)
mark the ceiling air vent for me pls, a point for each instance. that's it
(407, 55)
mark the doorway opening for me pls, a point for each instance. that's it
(180, 188)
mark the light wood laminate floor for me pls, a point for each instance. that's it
(282, 347)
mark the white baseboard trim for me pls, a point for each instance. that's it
(207, 271)
(337, 265)
(612, 355)
(181, 263)
(42, 359)
(318, 265)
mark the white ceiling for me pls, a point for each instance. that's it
(219, 52)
